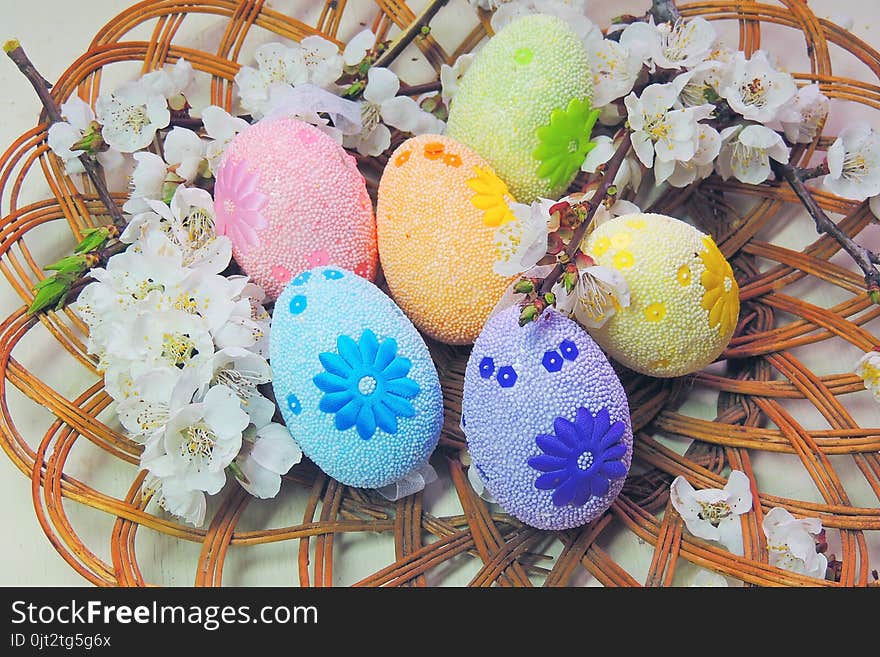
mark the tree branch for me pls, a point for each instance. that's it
(664, 11)
(17, 54)
(411, 32)
(864, 258)
(598, 198)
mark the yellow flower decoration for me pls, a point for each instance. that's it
(492, 197)
(721, 298)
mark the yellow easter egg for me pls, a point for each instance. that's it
(439, 206)
(684, 299)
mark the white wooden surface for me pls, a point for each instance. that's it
(55, 32)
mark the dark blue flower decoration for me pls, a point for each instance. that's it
(581, 458)
(487, 367)
(506, 376)
(552, 361)
(569, 349)
(297, 304)
(365, 384)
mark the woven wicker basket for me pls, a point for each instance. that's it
(763, 393)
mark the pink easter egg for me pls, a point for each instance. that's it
(290, 199)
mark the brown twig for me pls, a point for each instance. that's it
(813, 172)
(17, 54)
(664, 11)
(413, 30)
(864, 258)
(598, 198)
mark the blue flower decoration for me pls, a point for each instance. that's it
(569, 350)
(506, 376)
(333, 274)
(293, 404)
(487, 367)
(552, 361)
(581, 458)
(365, 384)
(302, 279)
(298, 304)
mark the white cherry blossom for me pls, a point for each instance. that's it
(801, 117)
(356, 49)
(597, 296)
(276, 63)
(130, 116)
(322, 60)
(659, 130)
(573, 12)
(63, 135)
(520, 243)
(177, 499)
(450, 76)
(854, 162)
(791, 545)
(170, 81)
(268, 452)
(682, 173)
(630, 173)
(757, 90)
(746, 153)
(221, 127)
(382, 104)
(712, 513)
(615, 70)
(672, 46)
(199, 442)
(868, 368)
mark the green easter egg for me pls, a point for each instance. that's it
(524, 105)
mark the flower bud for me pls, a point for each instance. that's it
(524, 286)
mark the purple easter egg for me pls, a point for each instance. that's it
(546, 419)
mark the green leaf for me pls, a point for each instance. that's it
(93, 239)
(70, 264)
(51, 291)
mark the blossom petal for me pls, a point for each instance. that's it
(366, 422)
(550, 480)
(385, 418)
(566, 492)
(349, 351)
(566, 432)
(613, 469)
(347, 416)
(615, 452)
(398, 405)
(551, 445)
(403, 387)
(369, 346)
(398, 368)
(386, 353)
(332, 402)
(599, 486)
(382, 85)
(548, 463)
(334, 364)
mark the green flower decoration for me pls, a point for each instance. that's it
(565, 142)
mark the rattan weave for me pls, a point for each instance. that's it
(754, 416)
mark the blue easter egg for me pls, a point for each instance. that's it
(354, 379)
(546, 420)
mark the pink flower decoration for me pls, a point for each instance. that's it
(238, 205)
(281, 273)
(318, 258)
